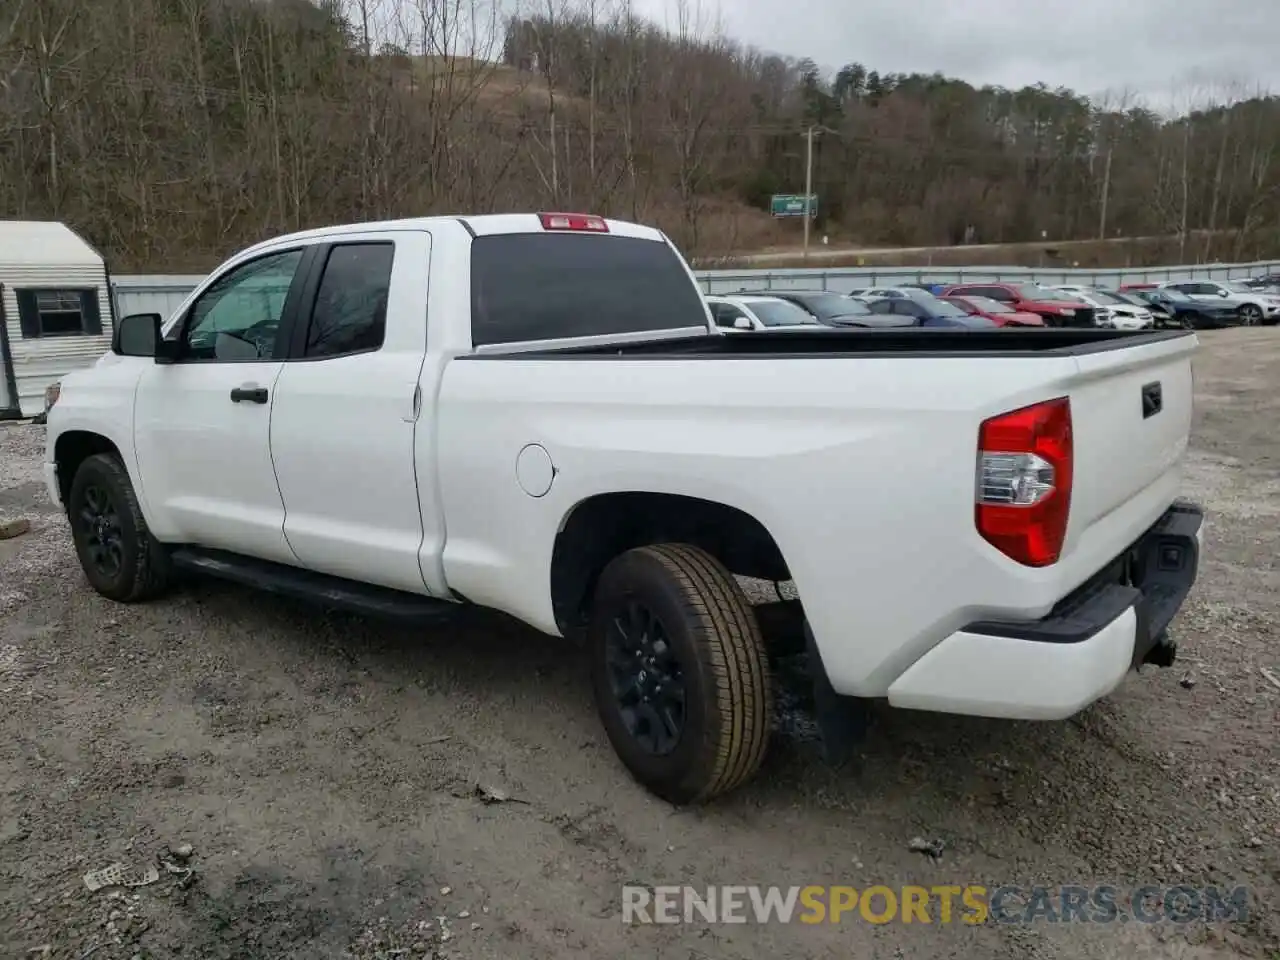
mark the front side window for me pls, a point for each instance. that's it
(58, 312)
(238, 317)
(350, 313)
(725, 313)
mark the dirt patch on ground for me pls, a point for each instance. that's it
(323, 769)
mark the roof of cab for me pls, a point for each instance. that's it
(483, 225)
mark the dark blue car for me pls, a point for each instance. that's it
(929, 311)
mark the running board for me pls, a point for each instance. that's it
(321, 588)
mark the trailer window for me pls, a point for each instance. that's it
(58, 313)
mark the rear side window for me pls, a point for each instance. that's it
(530, 286)
(350, 314)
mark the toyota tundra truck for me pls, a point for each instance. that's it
(533, 413)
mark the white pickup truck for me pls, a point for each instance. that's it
(533, 413)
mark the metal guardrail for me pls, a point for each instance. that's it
(843, 279)
(162, 294)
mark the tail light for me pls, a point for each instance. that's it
(1024, 481)
(573, 221)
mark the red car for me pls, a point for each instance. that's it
(1057, 308)
(1126, 287)
(1001, 314)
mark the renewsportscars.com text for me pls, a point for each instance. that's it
(971, 904)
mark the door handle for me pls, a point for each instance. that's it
(249, 393)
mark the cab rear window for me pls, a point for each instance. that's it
(534, 286)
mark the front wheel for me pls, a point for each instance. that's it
(120, 558)
(1250, 314)
(679, 672)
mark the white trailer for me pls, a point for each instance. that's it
(55, 310)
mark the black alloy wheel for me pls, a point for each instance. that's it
(119, 556)
(646, 679)
(100, 532)
(679, 671)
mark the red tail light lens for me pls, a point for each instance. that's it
(1024, 482)
(573, 221)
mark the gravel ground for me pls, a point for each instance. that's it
(323, 770)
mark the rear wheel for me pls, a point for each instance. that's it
(680, 672)
(120, 558)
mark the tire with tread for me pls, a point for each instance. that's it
(724, 663)
(146, 572)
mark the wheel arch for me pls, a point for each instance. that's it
(600, 527)
(72, 448)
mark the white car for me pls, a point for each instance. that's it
(1254, 307)
(755, 313)
(529, 413)
(1112, 311)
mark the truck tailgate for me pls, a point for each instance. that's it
(1131, 417)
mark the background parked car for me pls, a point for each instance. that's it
(1001, 314)
(1111, 311)
(1208, 314)
(868, 294)
(743, 314)
(1254, 307)
(935, 314)
(831, 309)
(1162, 316)
(1267, 283)
(1057, 308)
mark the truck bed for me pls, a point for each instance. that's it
(1062, 341)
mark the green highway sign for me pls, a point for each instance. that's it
(792, 205)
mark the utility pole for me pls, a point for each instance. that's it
(808, 187)
(1106, 195)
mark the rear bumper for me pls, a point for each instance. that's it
(1051, 668)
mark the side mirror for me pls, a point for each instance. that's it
(1222, 293)
(741, 323)
(137, 335)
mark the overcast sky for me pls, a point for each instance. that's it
(1164, 50)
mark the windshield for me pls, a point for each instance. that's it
(828, 305)
(1033, 291)
(987, 305)
(851, 308)
(940, 308)
(1103, 296)
(779, 313)
(543, 286)
(1238, 287)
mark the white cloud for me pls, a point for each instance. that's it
(1167, 51)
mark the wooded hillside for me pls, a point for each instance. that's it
(171, 132)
